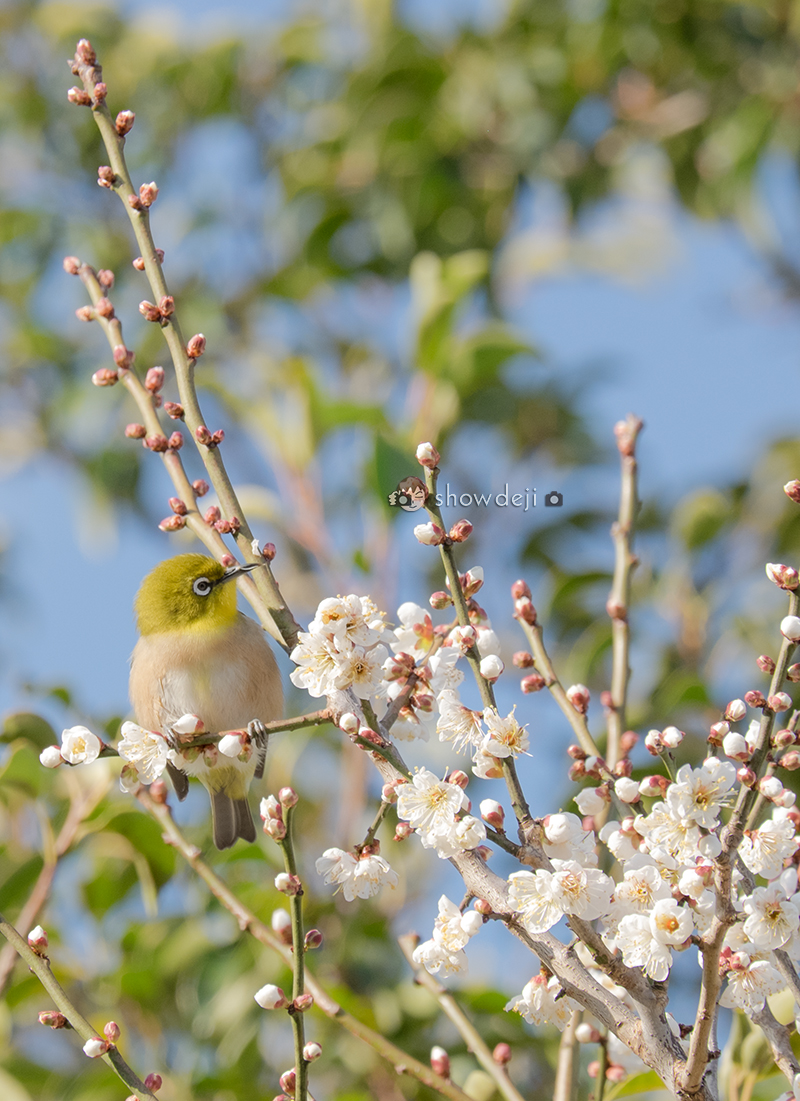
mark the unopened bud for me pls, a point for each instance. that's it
(268, 552)
(348, 723)
(154, 1082)
(123, 357)
(781, 701)
(736, 709)
(672, 737)
(532, 683)
(524, 610)
(493, 813)
(482, 907)
(111, 1031)
(166, 305)
(627, 741)
(746, 777)
(402, 831)
(313, 939)
(104, 307)
(736, 747)
(288, 884)
(172, 523)
(175, 441)
(124, 122)
(37, 939)
(577, 771)
(793, 673)
(430, 534)
(461, 531)
(212, 514)
(765, 664)
(149, 311)
(653, 787)
(288, 797)
(785, 577)
(440, 1062)
(177, 506)
(790, 760)
(790, 628)
(303, 1002)
(154, 379)
(578, 696)
(718, 732)
(491, 667)
(459, 778)
(174, 409)
(275, 828)
(271, 997)
(755, 698)
(288, 1081)
(159, 792)
(72, 265)
(79, 97)
(202, 435)
(134, 202)
(311, 1051)
(782, 739)
(281, 922)
(200, 487)
(428, 456)
(520, 591)
(522, 659)
(106, 376)
(148, 193)
(586, 1033)
(196, 346)
(440, 599)
(53, 1019)
(156, 443)
(96, 1047)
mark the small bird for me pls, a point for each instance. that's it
(198, 655)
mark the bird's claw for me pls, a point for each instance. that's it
(259, 736)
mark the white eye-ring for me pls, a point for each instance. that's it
(202, 586)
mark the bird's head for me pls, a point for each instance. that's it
(190, 592)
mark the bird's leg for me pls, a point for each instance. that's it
(260, 736)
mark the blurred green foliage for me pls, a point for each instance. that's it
(341, 254)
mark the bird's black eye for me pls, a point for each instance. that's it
(202, 586)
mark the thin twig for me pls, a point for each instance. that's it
(568, 1061)
(467, 1030)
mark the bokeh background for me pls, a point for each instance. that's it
(498, 226)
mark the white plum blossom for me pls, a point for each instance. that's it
(79, 746)
(444, 674)
(341, 648)
(641, 887)
(680, 837)
(315, 658)
(566, 839)
(504, 737)
(356, 876)
(51, 756)
(415, 635)
(451, 932)
(543, 897)
(230, 745)
(458, 724)
(350, 620)
(626, 789)
(145, 749)
(699, 794)
(764, 850)
(772, 917)
(360, 669)
(619, 842)
(590, 801)
(491, 667)
(750, 981)
(543, 1002)
(488, 642)
(645, 939)
(430, 804)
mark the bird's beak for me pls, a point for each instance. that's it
(233, 572)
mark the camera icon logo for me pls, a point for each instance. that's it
(554, 499)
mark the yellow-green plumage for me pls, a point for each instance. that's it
(198, 655)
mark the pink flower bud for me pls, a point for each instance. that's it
(793, 673)
(275, 828)
(459, 778)
(177, 506)
(166, 305)
(765, 664)
(790, 760)
(461, 531)
(430, 534)
(746, 777)
(303, 1002)
(85, 313)
(524, 610)
(522, 659)
(502, 1054)
(202, 435)
(782, 739)
(628, 740)
(104, 307)
(736, 747)
(154, 379)
(175, 441)
(288, 884)
(532, 683)
(271, 997)
(623, 767)
(577, 771)
(785, 577)
(150, 312)
(134, 202)
(148, 193)
(493, 813)
(84, 52)
(288, 797)
(312, 1051)
(96, 1047)
(100, 92)
(111, 1031)
(672, 737)
(718, 732)
(576, 753)
(781, 701)
(288, 1081)
(653, 787)
(439, 600)
(106, 176)
(770, 787)
(736, 710)
(268, 552)
(440, 1062)
(481, 906)
(72, 265)
(428, 456)
(471, 581)
(154, 1082)
(159, 792)
(37, 939)
(79, 97)
(615, 609)
(106, 376)
(105, 278)
(313, 939)
(754, 698)
(135, 431)
(156, 443)
(124, 122)
(123, 357)
(53, 1018)
(586, 1033)
(173, 409)
(520, 591)
(212, 514)
(464, 637)
(196, 346)
(402, 831)
(578, 696)
(172, 523)
(200, 487)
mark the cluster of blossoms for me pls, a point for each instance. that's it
(341, 649)
(451, 931)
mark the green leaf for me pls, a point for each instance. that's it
(23, 770)
(17, 886)
(699, 517)
(25, 724)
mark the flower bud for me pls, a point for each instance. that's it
(154, 379)
(520, 591)
(461, 531)
(428, 456)
(79, 97)
(177, 506)
(491, 667)
(288, 1081)
(755, 698)
(586, 1033)
(781, 701)
(459, 778)
(440, 1062)
(464, 637)
(275, 828)
(792, 490)
(288, 797)
(790, 760)
(303, 1002)
(671, 737)
(522, 659)
(37, 939)
(532, 683)
(271, 997)
(313, 939)
(482, 907)
(85, 313)
(150, 312)
(430, 534)
(53, 1018)
(281, 922)
(111, 1031)
(312, 1051)
(196, 346)
(717, 733)
(737, 709)
(627, 790)
(653, 787)
(785, 577)
(578, 696)
(627, 741)
(268, 552)
(175, 441)
(166, 305)
(782, 739)
(736, 747)
(123, 123)
(524, 610)
(105, 376)
(203, 435)
(766, 664)
(96, 1047)
(471, 581)
(154, 1082)
(439, 600)
(793, 673)
(51, 757)
(148, 193)
(200, 487)
(746, 777)
(156, 443)
(790, 628)
(212, 514)
(402, 831)
(288, 884)
(770, 787)
(493, 813)
(72, 265)
(159, 792)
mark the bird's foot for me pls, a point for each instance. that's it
(260, 737)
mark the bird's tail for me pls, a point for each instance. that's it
(231, 818)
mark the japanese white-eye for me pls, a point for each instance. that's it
(198, 655)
